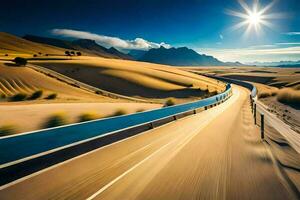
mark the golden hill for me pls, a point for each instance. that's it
(15, 80)
(132, 78)
(10, 44)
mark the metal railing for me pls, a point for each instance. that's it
(276, 134)
(17, 148)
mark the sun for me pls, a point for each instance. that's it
(254, 17)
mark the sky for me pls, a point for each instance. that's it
(207, 26)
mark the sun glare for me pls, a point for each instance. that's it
(254, 17)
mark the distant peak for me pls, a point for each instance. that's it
(86, 41)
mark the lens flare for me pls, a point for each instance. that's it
(255, 17)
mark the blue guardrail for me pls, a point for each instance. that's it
(17, 147)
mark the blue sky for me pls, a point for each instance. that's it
(204, 25)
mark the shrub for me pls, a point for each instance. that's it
(297, 87)
(20, 61)
(8, 129)
(34, 55)
(2, 96)
(19, 97)
(119, 112)
(262, 95)
(67, 53)
(98, 92)
(213, 93)
(51, 96)
(57, 119)
(6, 55)
(78, 53)
(87, 116)
(36, 95)
(289, 96)
(273, 93)
(169, 102)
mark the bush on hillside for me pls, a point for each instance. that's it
(7, 129)
(98, 92)
(119, 112)
(289, 96)
(78, 53)
(262, 95)
(18, 97)
(57, 119)
(20, 61)
(51, 96)
(297, 87)
(2, 96)
(169, 102)
(88, 116)
(67, 53)
(36, 95)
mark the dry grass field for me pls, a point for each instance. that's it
(12, 46)
(136, 79)
(143, 80)
(278, 88)
(23, 80)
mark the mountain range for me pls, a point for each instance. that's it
(86, 46)
(181, 56)
(277, 64)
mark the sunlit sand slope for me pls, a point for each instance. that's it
(14, 80)
(135, 78)
(10, 44)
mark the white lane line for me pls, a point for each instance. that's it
(203, 125)
(128, 171)
(224, 105)
(75, 158)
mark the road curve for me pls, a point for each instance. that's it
(216, 154)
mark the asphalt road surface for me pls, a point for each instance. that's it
(215, 154)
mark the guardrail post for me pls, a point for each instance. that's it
(205, 107)
(151, 125)
(195, 112)
(262, 126)
(251, 101)
(254, 113)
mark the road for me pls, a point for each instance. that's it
(215, 154)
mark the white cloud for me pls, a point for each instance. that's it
(221, 36)
(288, 43)
(254, 54)
(292, 33)
(138, 43)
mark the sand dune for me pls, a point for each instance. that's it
(14, 80)
(10, 44)
(37, 114)
(133, 78)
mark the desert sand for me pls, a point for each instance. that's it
(136, 79)
(182, 160)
